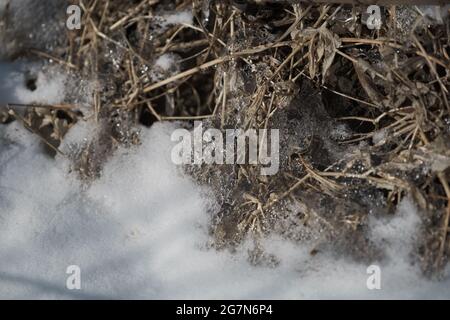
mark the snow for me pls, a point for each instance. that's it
(50, 87)
(398, 233)
(164, 66)
(164, 62)
(380, 136)
(141, 231)
(182, 17)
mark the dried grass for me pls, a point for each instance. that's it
(244, 67)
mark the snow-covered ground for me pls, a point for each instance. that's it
(141, 230)
(13, 85)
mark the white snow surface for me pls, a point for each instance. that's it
(50, 88)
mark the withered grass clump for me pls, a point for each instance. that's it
(363, 114)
